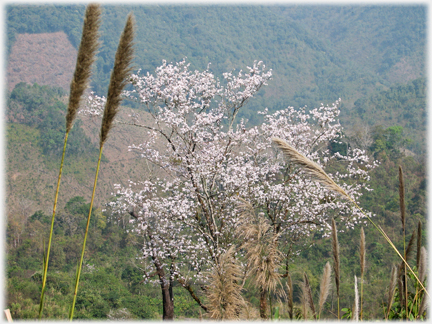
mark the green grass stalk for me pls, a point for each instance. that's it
(46, 257)
(78, 274)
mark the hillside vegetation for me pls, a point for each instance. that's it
(317, 53)
(372, 57)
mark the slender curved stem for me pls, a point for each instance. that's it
(45, 270)
(78, 274)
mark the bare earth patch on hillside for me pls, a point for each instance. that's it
(45, 59)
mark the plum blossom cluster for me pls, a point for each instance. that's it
(189, 216)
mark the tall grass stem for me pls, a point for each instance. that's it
(85, 237)
(46, 256)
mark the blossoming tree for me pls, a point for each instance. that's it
(188, 217)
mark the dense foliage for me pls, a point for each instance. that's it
(111, 285)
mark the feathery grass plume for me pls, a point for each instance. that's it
(401, 285)
(422, 268)
(356, 300)
(336, 261)
(402, 268)
(309, 167)
(419, 242)
(423, 305)
(309, 298)
(119, 77)
(85, 58)
(224, 291)
(248, 312)
(392, 287)
(362, 267)
(317, 173)
(290, 296)
(410, 246)
(304, 300)
(261, 245)
(324, 286)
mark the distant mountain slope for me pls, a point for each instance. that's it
(45, 59)
(388, 40)
(35, 133)
(317, 53)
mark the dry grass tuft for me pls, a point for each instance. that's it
(261, 246)
(392, 287)
(290, 296)
(324, 286)
(85, 58)
(224, 291)
(119, 78)
(422, 269)
(309, 298)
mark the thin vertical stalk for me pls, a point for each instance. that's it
(362, 268)
(336, 263)
(46, 257)
(403, 220)
(85, 236)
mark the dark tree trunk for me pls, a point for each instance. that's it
(166, 286)
(167, 301)
(263, 303)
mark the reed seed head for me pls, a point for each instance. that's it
(119, 78)
(224, 292)
(325, 285)
(290, 294)
(85, 58)
(356, 301)
(261, 246)
(309, 167)
(392, 287)
(423, 305)
(422, 269)
(410, 246)
(309, 299)
(419, 243)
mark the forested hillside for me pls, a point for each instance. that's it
(317, 52)
(372, 57)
